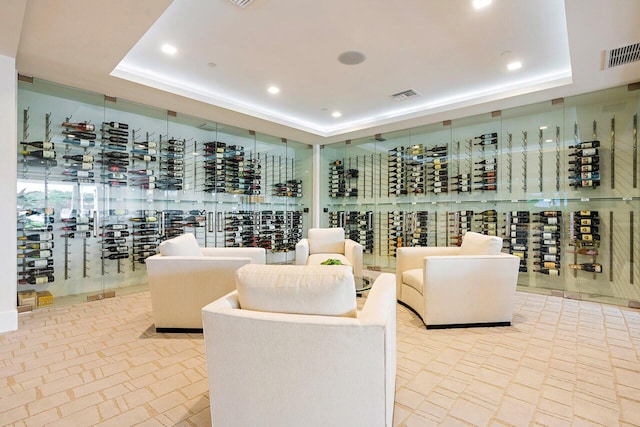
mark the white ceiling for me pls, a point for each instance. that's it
(453, 55)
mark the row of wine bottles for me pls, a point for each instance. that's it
(342, 183)
(278, 231)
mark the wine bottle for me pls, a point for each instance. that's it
(36, 254)
(548, 271)
(585, 175)
(37, 280)
(548, 257)
(83, 234)
(44, 145)
(115, 233)
(548, 264)
(79, 134)
(115, 155)
(587, 152)
(586, 144)
(116, 125)
(145, 157)
(116, 132)
(585, 168)
(486, 142)
(144, 219)
(116, 226)
(79, 173)
(585, 161)
(548, 213)
(39, 263)
(587, 237)
(587, 214)
(491, 135)
(588, 221)
(77, 227)
(591, 267)
(40, 154)
(37, 237)
(491, 161)
(41, 245)
(79, 142)
(552, 250)
(80, 126)
(85, 158)
(116, 140)
(116, 256)
(585, 183)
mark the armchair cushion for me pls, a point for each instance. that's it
(414, 278)
(327, 290)
(480, 244)
(326, 240)
(183, 245)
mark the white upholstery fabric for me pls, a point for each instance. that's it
(183, 245)
(352, 251)
(480, 244)
(326, 240)
(317, 259)
(414, 278)
(457, 289)
(327, 290)
(286, 370)
(181, 285)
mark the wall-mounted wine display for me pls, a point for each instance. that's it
(35, 246)
(278, 231)
(459, 223)
(585, 238)
(517, 236)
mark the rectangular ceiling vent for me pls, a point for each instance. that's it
(405, 94)
(623, 55)
(242, 3)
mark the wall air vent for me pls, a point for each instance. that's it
(622, 55)
(242, 3)
(405, 94)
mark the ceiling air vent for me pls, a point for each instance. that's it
(242, 3)
(405, 94)
(623, 55)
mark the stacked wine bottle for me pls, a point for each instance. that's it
(195, 218)
(547, 235)
(144, 157)
(173, 223)
(214, 167)
(171, 165)
(584, 168)
(459, 223)
(517, 236)
(438, 169)
(485, 177)
(115, 235)
(396, 229)
(419, 229)
(145, 234)
(78, 162)
(586, 239)
(39, 153)
(35, 246)
(77, 225)
(351, 182)
(337, 184)
(336, 219)
(241, 229)
(416, 170)
(250, 177)
(397, 172)
(114, 154)
(488, 222)
(290, 188)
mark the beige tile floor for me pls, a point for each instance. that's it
(563, 362)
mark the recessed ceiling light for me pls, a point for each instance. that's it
(512, 66)
(212, 64)
(169, 49)
(336, 114)
(351, 57)
(273, 90)
(479, 4)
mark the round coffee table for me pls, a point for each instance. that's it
(363, 284)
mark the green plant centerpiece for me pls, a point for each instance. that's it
(331, 261)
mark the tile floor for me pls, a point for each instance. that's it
(563, 362)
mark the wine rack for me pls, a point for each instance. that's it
(488, 222)
(416, 170)
(337, 184)
(145, 234)
(115, 233)
(396, 227)
(172, 223)
(214, 167)
(486, 172)
(547, 252)
(290, 188)
(397, 172)
(35, 246)
(114, 155)
(584, 169)
(439, 169)
(517, 236)
(461, 180)
(171, 164)
(419, 229)
(144, 162)
(585, 238)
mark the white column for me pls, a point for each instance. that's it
(8, 184)
(316, 210)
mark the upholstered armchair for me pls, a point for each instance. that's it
(470, 285)
(289, 348)
(329, 243)
(184, 277)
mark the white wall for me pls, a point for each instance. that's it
(8, 174)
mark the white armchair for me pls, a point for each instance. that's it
(183, 278)
(326, 243)
(470, 285)
(301, 355)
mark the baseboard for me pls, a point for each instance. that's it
(8, 320)
(179, 330)
(469, 325)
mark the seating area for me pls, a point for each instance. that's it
(286, 344)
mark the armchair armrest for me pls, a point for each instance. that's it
(302, 252)
(353, 252)
(410, 258)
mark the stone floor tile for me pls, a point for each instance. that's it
(471, 413)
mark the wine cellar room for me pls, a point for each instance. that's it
(106, 168)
